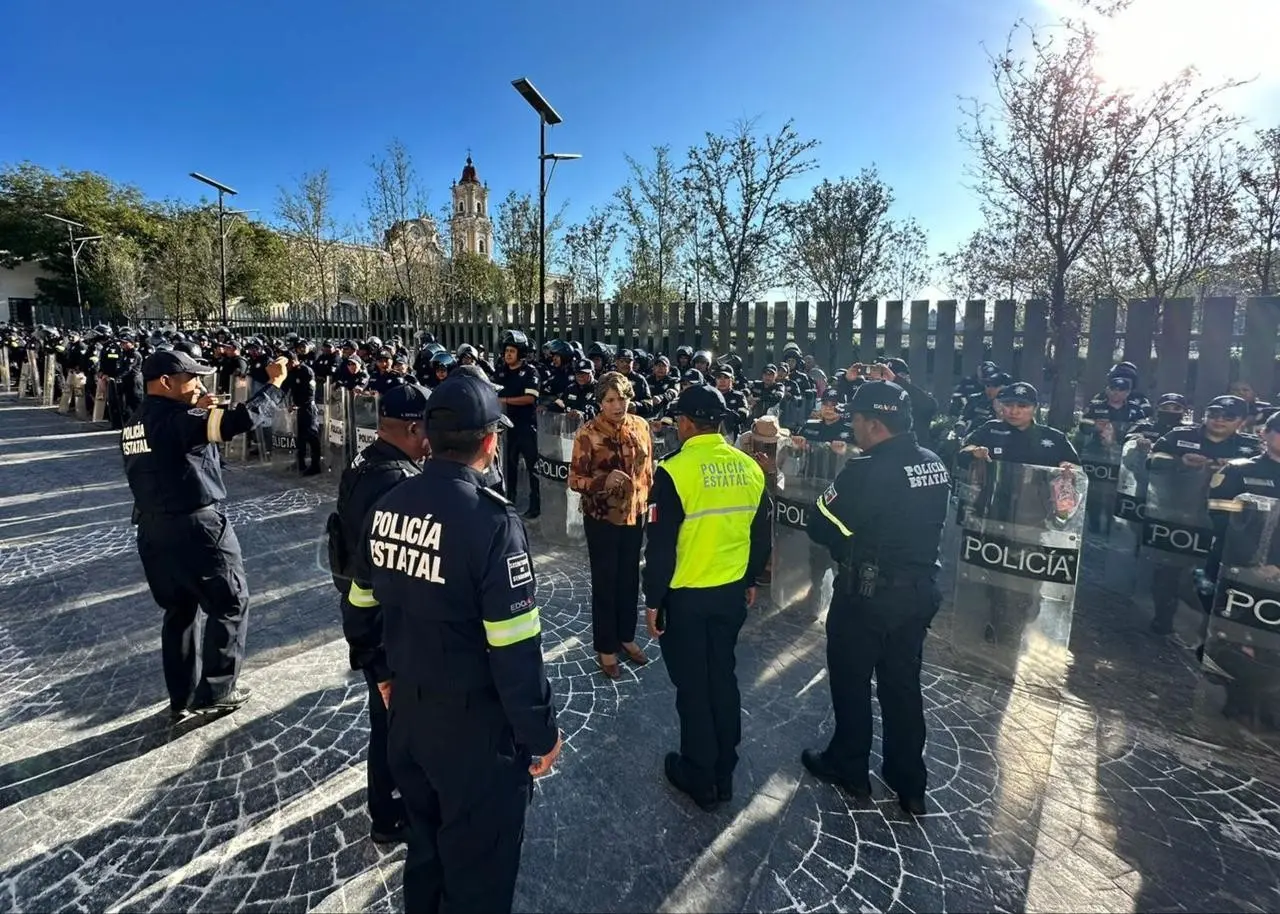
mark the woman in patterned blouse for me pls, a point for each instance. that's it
(612, 470)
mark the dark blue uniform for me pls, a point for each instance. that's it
(189, 551)
(522, 438)
(450, 566)
(301, 388)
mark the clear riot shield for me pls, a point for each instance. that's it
(238, 447)
(803, 572)
(65, 396)
(364, 421)
(1175, 540)
(1017, 569)
(335, 427)
(100, 394)
(284, 438)
(48, 387)
(1129, 508)
(561, 510)
(1242, 647)
(665, 440)
(75, 383)
(29, 379)
(1101, 445)
(6, 380)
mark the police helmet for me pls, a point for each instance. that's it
(791, 350)
(291, 337)
(426, 336)
(702, 355)
(467, 350)
(190, 348)
(443, 359)
(516, 338)
(686, 351)
(598, 350)
(373, 343)
(577, 350)
(434, 348)
(559, 348)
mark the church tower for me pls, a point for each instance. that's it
(471, 229)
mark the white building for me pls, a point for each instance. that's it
(18, 292)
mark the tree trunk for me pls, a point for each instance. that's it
(1064, 317)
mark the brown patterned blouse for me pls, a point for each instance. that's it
(602, 446)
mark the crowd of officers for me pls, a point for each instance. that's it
(438, 581)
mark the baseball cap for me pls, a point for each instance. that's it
(1172, 400)
(171, 362)
(831, 395)
(463, 402)
(404, 401)
(879, 397)
(584, 366)
(770, 368)
(1120, 382)
(1123, 370)
(701, 402)
(692, 376)
(662, 360)
(1019, 392)
(624, 354)
(401, 358)
(1229, 406)
(999, 379)
(723, 371)
(897, 366)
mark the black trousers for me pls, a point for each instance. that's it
(521, 444)
(882, 636)
(193, 562)
(614, 553)
(466, 788)
(384, 809)
(1166, 582)
(309, 439)
(698, 647)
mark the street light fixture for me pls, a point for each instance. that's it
(546, 115)
(222, 233)
(76, 245)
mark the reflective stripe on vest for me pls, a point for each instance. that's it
(719, 488)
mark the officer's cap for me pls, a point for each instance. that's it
(692, 376)
(723, 371)
(770, 368)
(385, 353)
(897, 366)
(349, 344)
(1227, 407)
(831, 395)
(999, 379)
(1273, 422)
(1019, 392)
(701, 402)
(662, 360)
(1173, 400)
(464, 402)
(401, 358)
(404, 401)
(172, 362)
(878, 397)
(1120, 382)
(1123, 370)
(584, 366)
(626, 354)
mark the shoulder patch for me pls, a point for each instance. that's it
(1217, 479)
(199, 413)
(496, 496)
(1240, 462)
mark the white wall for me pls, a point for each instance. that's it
(20, 282)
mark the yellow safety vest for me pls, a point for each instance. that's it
(719, 488)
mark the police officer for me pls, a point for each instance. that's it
(189, 552)
(394, 456)
(924, 408)
(301, 389)
(471, 709)
(708, 542)
(1018, 438)
(579, 398)
(882, 520)
(829, 428)
(624, 363)
(972, 385)
(518, 383)
(736, 412)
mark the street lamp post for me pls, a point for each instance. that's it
(222, 234)
(76, 245)
(546, 115)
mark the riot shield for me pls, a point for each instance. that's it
(100, 394)
(29, 379)
(1101, 445)
(665, 440)
(6, 381)
(1176, 536)
(1017, 569)
(284, 438)
(561, 508)
(803, 572)
(238, 447)
(1242, 647)
(66, 395)
(1129, 507)
(364, 420)
(335, 427)
(75, 383)
(48, 387)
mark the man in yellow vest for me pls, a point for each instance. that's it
(708, 542)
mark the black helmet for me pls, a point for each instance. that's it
(598, 350)
(465, 350)
(190, 348)
(443, 359)
(514, 338)
(373, 343)
(426, 336)
(792, 351)
(686, 351)
(560, 348)
(434, 348)
(702, 355)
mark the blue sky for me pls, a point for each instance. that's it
(255, 93)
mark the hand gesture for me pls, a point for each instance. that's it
(980, 453)
(616, 481)
(277, 371)
(837, 447)
(542, 764)
(1144, 444)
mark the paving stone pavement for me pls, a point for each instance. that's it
(1109, 794)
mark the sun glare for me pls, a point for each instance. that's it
(1152, 40)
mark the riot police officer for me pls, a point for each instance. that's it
(189, 552)
(301, 388)
(830, 427)
(394, 456)
(472, 716)
(579, 397)
(1017, 437)
(518, 383)
(882, 520)
(737, 415)
(709, 539)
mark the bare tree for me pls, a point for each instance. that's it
(516, 236)
(655, 222)
(307, 215)
(589, 246)
(396, 206)
(1058, 147)
(907, 266)
(1260, 208)
(735, 180)
(838, 239)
